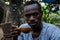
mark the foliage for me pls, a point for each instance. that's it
(6, 0)
(50, 16)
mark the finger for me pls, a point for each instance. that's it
(13, 29)
(15, 33)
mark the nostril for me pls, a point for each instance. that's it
(32, 17)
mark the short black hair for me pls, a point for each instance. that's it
(33, 2)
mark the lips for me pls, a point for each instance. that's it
(32, 23)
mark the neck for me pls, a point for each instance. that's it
(36, 32)
(37, 28)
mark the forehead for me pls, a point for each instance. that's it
(31, 7)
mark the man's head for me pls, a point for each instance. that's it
(33, 13)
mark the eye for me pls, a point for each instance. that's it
(32, 14)
(35, 14)
(27, 15)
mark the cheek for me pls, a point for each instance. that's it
(26, 18)
(38, 17)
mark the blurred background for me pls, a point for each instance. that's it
(13, 11)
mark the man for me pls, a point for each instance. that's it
(40, 30)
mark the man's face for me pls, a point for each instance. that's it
(32, 14)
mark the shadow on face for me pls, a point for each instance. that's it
(32, 14)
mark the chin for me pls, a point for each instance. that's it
(32, 24)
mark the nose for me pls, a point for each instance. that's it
(31, 17)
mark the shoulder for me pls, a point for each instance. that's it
(52, 30)
(49, 26)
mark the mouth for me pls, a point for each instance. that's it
(32, 23)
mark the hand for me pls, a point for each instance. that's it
(14, 31)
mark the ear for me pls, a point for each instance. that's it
(24, 17)
(41, 13)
